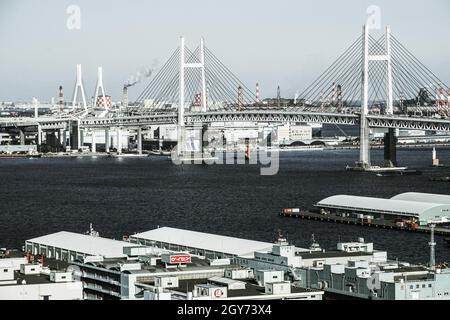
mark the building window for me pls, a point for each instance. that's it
(429, 286)
(411, 287)
(5, 270)
(423, 286)
(417, 286)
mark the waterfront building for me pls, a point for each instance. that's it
(422, 208)
(21, 279)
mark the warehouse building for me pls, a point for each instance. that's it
(68, 246)
(199, 243)
(423, 208)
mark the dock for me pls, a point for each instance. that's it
(376, 223)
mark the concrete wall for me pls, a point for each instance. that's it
(54, 291)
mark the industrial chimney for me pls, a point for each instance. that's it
(61, 99)
(125, 98)
(240, 98)
(258, 100)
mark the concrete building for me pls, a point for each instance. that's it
(208, 290)
(289, 133)
(364, 280)
(290, 260)
(22, 280)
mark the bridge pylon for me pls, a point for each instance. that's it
(364, 154)
(79, 87)
(181, 134)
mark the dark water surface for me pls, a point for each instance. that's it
(123, 196)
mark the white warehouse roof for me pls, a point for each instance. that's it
(423, 197)
(421, 210)
(204, 241)
(83, 243)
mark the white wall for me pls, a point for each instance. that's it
(13, 262)
(55, 291)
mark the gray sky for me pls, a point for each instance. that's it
(270, 42)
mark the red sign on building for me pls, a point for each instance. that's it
(180, 259)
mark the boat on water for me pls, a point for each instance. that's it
(399, 173)
(384, 171)
(158, 153)
(30, 155)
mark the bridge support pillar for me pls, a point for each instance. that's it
(22, 136)
(390, 148)
(64, 139)
(119, 141)
(364, 144)
(94, 143)
(39, 138)
(107, 140)
(75, 135)
(139, 140)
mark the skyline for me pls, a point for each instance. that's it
(41, 53)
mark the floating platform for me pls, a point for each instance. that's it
(194, 158)
(383, 224)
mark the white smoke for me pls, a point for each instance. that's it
(140, 75)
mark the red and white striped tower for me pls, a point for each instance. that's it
(240, 98)
(61, 98)
(448, 98)
(258, 100)
(99, 87)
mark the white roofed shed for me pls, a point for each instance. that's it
(207, 244)
(68, 246)
(423, 211)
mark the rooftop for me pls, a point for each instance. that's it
(205, 241)
(423, 197)
(380, 205)
(332, 254)
(83, 243)
(114, 264)
(251, 288)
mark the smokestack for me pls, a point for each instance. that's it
(125, 98)
(61, 99)
(339, 97)
(240, 98)
(35, 104)
(257, 93)
(278, 96)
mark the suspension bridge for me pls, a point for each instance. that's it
(375, 83)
